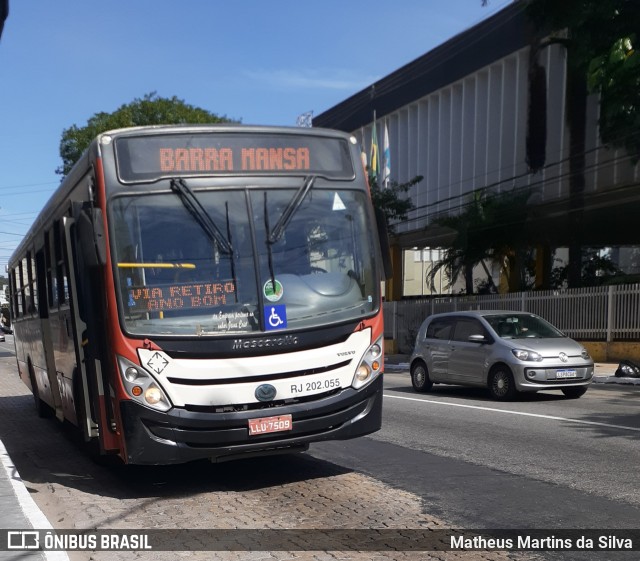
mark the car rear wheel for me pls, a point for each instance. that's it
(501, 384)
(574, 393)
(420, 377)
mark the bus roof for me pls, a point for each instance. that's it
(61, 195)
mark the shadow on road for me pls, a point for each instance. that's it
(47, 451)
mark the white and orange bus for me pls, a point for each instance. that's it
(213, 292)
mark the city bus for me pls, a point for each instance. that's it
(205, 292)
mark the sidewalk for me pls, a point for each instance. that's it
(18, 511)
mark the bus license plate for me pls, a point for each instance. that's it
(270, 424)
(566, 374)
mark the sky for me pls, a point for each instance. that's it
(256, 61)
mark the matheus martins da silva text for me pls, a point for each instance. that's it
(550, 542)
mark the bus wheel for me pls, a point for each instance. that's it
(92, 445)
(42, 409)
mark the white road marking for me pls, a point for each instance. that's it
(636, 429)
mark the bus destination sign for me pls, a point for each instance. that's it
(181, 296)
(148, 158)
(195, 160)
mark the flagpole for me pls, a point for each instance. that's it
(375, 159)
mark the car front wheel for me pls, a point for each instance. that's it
(420, 377)
(501, 384)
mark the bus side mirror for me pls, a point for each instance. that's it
(91, 237)
(383, 236)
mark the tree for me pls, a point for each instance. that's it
(150, 110)
(490, 228)
(390, 199)
(602, 39)
(597, 269)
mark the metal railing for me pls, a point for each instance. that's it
(602, 313)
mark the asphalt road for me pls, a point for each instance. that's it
(450, 458)
(541, 462)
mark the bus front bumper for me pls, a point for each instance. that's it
(179, 435)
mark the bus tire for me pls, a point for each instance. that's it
(91, 446)
(42, 409)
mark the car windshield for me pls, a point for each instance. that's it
(522, 326)
(175, 279)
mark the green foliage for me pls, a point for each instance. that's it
(150, 110)
(602, 37)
(597, 269)
(390, 199)
(490, 228)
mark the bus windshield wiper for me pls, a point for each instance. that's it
(292, 207)
(202, 217)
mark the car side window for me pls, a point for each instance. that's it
(439, 329)
(466, 327)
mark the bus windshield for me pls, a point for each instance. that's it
(177, 279)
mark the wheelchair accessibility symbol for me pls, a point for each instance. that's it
(275, 317)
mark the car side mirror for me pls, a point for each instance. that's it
(479, 339)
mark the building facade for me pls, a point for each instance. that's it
(487, 112)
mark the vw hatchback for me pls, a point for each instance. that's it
(507, 352)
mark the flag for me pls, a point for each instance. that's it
(386, 173)
(363, 152)
(375, 158)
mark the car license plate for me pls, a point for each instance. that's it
(566, 374)
(264, 425)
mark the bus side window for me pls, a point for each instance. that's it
(50, 267)
(59, 264)
(40, 289)
(25, 295)
(17, 293)
(32, 296)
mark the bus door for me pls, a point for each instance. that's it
(86, 240)
(45, 330)
(92, 405)
(79, 383)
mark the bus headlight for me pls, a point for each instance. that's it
(370, 366)
(153, 395)
(141, 385)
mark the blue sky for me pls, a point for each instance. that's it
(256, 61)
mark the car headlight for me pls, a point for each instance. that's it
(141, 386)
(585, 354)
(370, 366)
(524, 354)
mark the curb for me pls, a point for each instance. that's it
(34, 516)
(616, 380)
